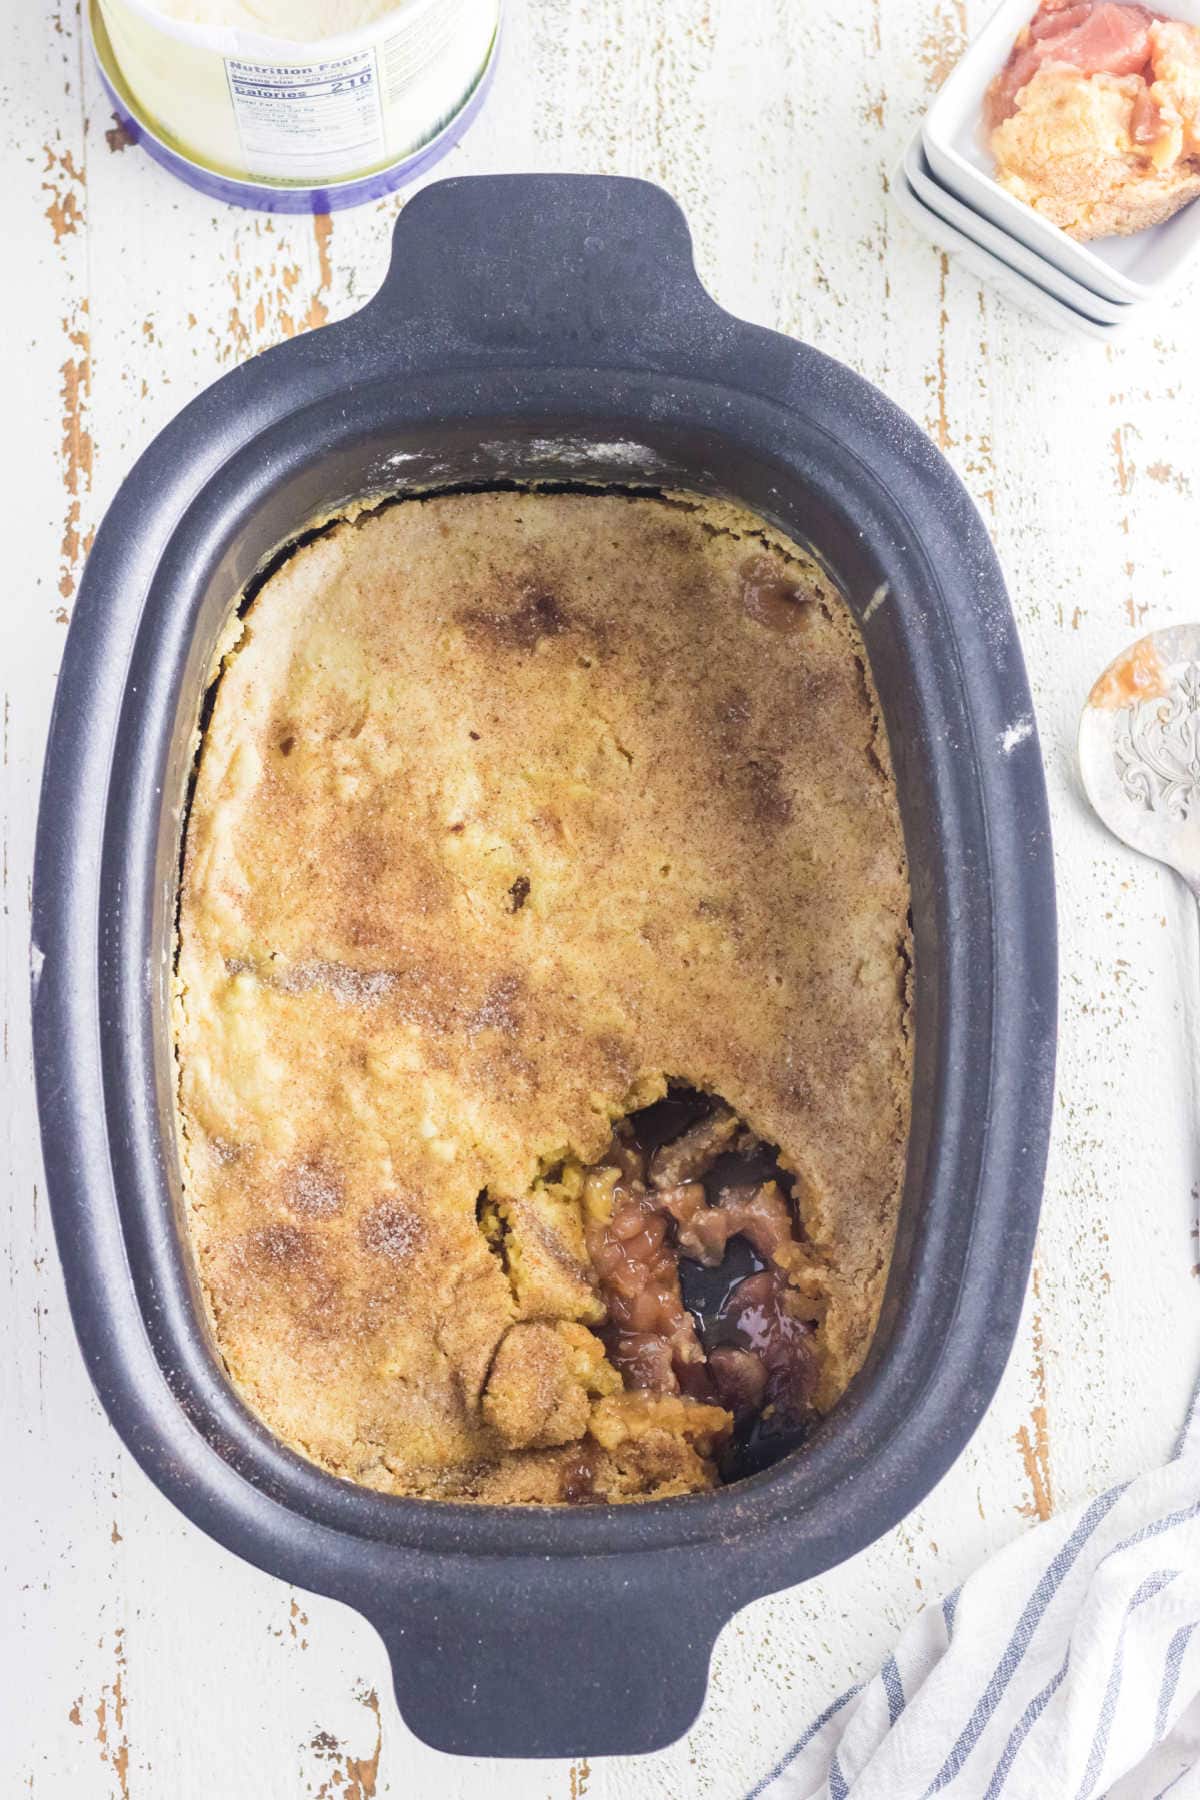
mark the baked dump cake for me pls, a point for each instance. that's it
(541, 998)
(1095, 118)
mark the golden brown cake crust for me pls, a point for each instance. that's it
(510, 806)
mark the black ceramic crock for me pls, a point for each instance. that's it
(545, 328)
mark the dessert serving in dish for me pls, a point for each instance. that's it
(1094, 120)
(541, 1003)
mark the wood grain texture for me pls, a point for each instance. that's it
(139, 1660)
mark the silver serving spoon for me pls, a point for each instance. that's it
(1139, 748)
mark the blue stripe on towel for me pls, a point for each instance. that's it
(949, 1608)
(1023, 1727)
(893, 1687)
(1009, 1663)
(1155, 1528)
(838, 1788)
(1153, 1584)
(802, 1743)
(1170, 1680)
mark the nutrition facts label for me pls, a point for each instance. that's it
(298, 119)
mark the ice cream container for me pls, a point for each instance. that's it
(294, 126)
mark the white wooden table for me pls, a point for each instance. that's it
(139, 1659)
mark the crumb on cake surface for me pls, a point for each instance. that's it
(510, 807)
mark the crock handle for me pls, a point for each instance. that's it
(591, 267)
(533, 1658)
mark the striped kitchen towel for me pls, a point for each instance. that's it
(1067, 1668)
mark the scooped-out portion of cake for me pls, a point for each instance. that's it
(541, 1006)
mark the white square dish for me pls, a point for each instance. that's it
(1029, 295)
(1026, 262)
(1142, 267)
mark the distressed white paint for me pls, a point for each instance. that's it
(138, 1658)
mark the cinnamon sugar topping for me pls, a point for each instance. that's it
(543, 848)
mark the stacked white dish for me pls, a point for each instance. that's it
(945, 185)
